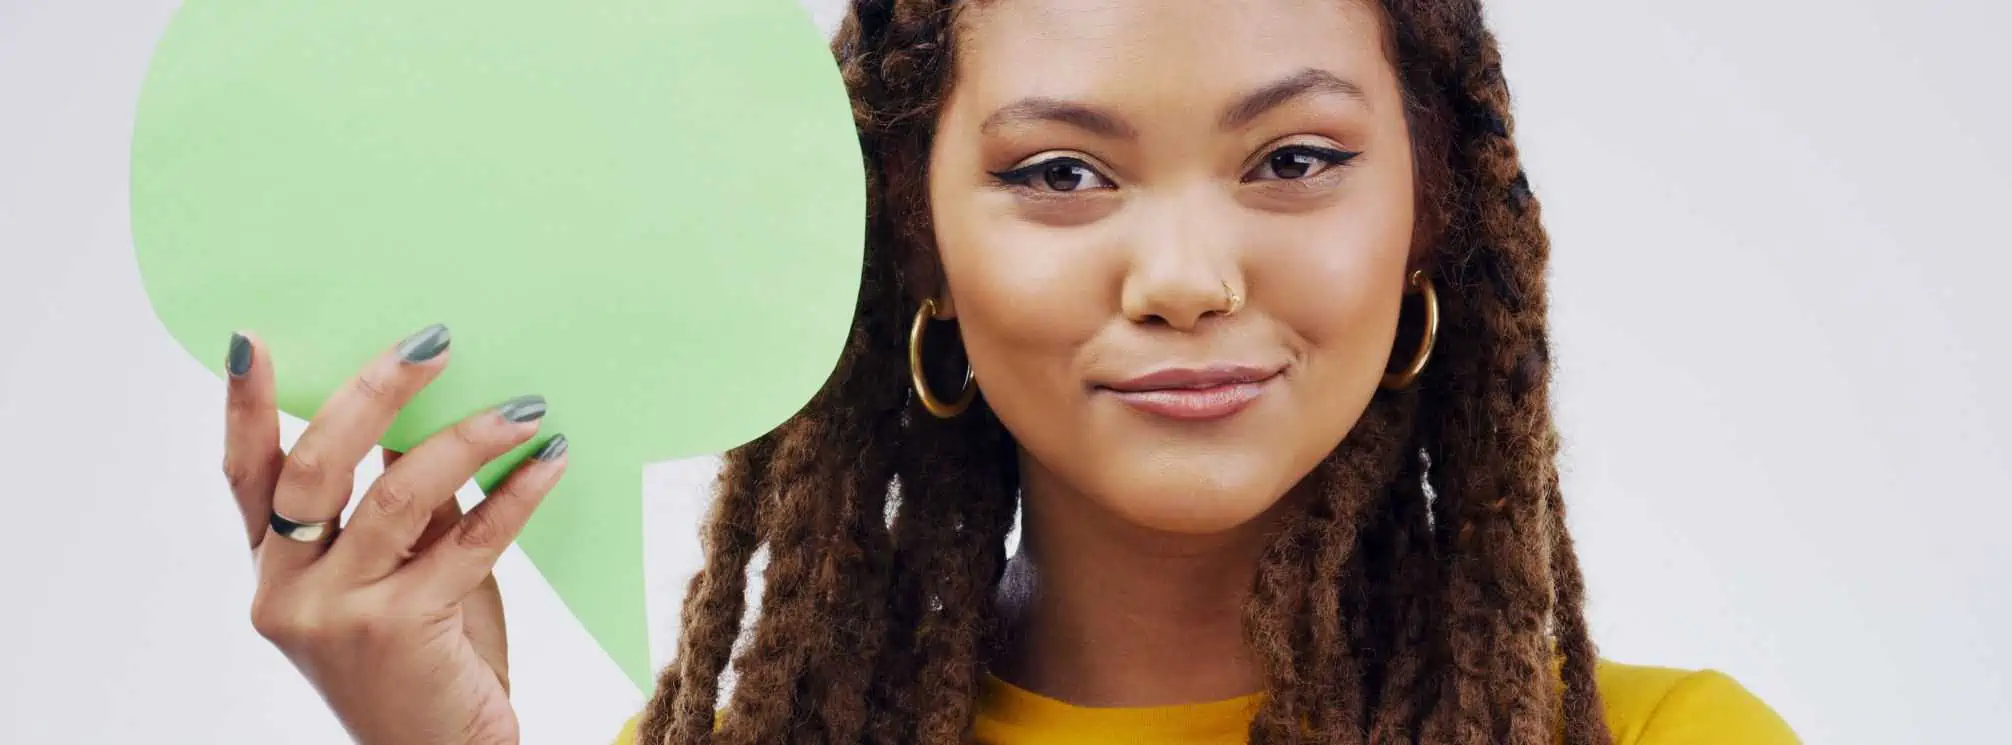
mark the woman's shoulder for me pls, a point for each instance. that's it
(1650, 705)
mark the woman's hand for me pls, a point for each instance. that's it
(395, 618)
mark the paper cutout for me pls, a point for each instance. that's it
(649, 211)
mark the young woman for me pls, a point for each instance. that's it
(1239, 307)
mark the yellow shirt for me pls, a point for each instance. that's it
(1644, 705)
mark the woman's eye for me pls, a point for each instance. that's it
(1058, 175)
(1298, 162)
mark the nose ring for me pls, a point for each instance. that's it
(1236, 301)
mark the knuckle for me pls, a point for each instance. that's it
(392, 497)
(372, 388)
(240, 475)
(285, 622)
(308, 471)
(297, 623)
(239, 404)
(479, 530)
(470, 434)
(305, 469)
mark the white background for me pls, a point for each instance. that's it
(1780, 250)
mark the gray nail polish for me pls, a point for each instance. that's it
(553, 448)
(523, 409)
(427, 344)
(238, 362)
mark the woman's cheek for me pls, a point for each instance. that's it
(1029, 285)
(1336, 285)
(1028, 297)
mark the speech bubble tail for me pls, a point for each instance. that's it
(586, 540)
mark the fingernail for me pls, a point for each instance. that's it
(238, 362)
(553, 448)
(523, 409)
(425, 345)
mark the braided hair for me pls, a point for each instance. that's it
(1429, 593)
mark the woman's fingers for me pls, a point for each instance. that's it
(482, 620)
(315, 483)
(252, 458)
(458, 562)
(395, 511)
(444, 517)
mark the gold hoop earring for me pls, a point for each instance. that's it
(1403, 378)
(935, 405)
(1231, 298)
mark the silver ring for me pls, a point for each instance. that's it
(294, 530)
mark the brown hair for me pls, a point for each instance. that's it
(1424, 595)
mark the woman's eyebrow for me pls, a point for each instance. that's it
(1310, 81)
(1096, 121)
(1079, 115)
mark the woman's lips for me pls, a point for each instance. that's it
(1193, 403)
(1194, 394)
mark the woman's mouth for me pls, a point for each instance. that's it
(1194, 394)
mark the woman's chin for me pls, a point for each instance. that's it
(1175, 501)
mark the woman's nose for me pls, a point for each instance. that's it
(1184, 265)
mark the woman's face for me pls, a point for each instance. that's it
(1106, 174)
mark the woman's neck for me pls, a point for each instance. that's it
(1101, 612)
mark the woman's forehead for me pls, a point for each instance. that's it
(1117, 50)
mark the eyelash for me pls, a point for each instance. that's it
(1330, 157)
(1023, 177)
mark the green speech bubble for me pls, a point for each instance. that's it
(649, 211)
